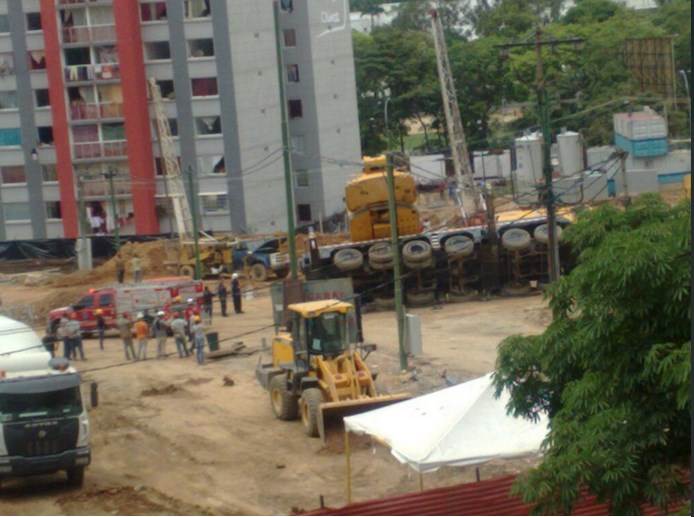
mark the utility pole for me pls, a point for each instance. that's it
(288, 186)
(397, 280)
(547, 190)
(626, 200)
(194, 217)
(110, 174)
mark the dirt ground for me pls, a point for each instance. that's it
(170, 437)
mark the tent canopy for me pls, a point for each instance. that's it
(461, 425)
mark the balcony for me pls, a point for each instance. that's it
(82, 111)
(86, 150)
(90, 34)
(100, 72)
(100, 188)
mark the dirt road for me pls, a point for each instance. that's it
(169, 437)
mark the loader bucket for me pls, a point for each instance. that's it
(331, 414)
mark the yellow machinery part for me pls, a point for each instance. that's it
(368, 224)
(372, 189)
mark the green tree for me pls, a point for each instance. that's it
(613, 369)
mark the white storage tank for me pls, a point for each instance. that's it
(529, 159)
(570, 153)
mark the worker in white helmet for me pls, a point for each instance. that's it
(236, 293)
(160, 333)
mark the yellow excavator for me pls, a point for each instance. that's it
(317, 371)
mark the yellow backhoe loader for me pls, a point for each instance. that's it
(316, 370)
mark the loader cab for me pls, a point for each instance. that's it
(322, 327)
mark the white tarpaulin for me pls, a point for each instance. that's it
(461, 425)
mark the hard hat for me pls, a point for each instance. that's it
(235, 275)
(190, 300)
(98, 312)
(197, 319)
(161, 313)
(140, 315)
(177, 299)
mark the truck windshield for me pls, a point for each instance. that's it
(326, 334)
(15, 407)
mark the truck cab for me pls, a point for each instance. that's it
(44, 427)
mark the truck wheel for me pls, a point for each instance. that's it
(416, 251)
(187, 270)
(348, 259)
(459, 246)
(285, 405)
(75, 476)
(541, 234)
(258, 272)
(385, 304)
(515, 239)
(380, 252)
(462, 296)
(310, 407)
(381, 266)
(420, 298)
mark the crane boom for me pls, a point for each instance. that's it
(173, 182)
(456, 135)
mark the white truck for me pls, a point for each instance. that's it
(44, 427)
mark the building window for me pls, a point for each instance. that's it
(49, 172)
(9, 137)
(37, 60)
(295, 109)
(157, 51)
(298, 143)
(301, 176)
(196, 8)
(201, 48)
(42, 97)
(213, 164)
(204, 87)
(304, 212)
(289, 37)
(293, 73)
(45, 135)
(159, 165)
(12, 174)
(17, 211)
(4, 24)
(166, 88)
(33, 21)
(212, 203)
(6, 64)
(152, 11)
(208, 126)
(8, 100)
(173, 126)
(113, 131)
(53, 210)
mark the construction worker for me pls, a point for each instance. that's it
(100, 327)
(63, 334)
(222, 294)
(236, 293)
(159, 326)
(75, 336)
(178, 326)
(198, 331)
(125, 328)
(207, 296)
(141, 334)
(137, 268)
(120, 268)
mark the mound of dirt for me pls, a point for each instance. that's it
(55, 299)
(153, 255)
(165, 390)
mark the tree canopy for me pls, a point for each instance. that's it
(584, 87)
(613, 369)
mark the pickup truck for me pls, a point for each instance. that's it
(256, 254)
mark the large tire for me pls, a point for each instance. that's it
(75, 476)
(187, 270)
(464, 296)
(541, 234)
(381, 252)
(310, 403)
(380, 266)
(258, 272)
(348, 259)
(459, 246)
(516, 239)
(416, 252)
(385, 304)
(420, 298)
(284, 404)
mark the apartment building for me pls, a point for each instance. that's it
(79, 150)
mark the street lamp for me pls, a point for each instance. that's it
(689, 100)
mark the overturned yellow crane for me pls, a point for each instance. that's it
(316, 372)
